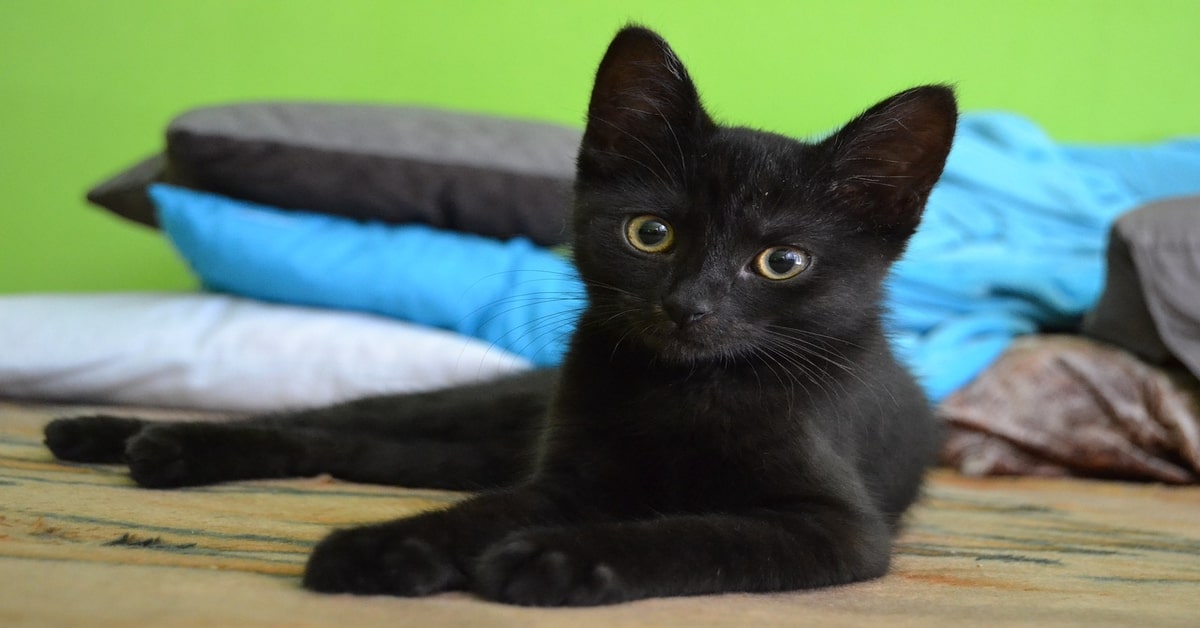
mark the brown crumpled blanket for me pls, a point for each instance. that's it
(1066, 405)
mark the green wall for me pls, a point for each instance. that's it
(86, 87)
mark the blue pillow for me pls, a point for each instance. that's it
(1012, 241)
(523, 298)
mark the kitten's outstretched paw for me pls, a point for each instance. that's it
(98, 438)
(538, 568)
(157, 458)
(385, 559)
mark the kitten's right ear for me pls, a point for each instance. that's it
(644, 109)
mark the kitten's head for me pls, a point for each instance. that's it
(700, 242)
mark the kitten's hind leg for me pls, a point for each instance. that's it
(172, 455)
(469, 437)
(189, 454)
(475, 412)
(98, 438)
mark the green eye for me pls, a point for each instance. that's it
(649, 234)
(782, 262)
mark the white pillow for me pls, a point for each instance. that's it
(224, 353)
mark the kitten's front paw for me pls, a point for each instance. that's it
(90, 438)
(544, 568)
(389, 559)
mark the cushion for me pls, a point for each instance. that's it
(513, 294)
(224, 353)
(125, 193)
(1066, 405)
(480, 174)
(1151, 299)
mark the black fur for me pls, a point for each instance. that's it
(710, 429)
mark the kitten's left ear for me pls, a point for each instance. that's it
(886, 161)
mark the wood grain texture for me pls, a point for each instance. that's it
(80, 545)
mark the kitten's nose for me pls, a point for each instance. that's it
(685, 313)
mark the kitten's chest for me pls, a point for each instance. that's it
(694, 447)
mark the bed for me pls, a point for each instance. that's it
(1010, 531)
(81, 545)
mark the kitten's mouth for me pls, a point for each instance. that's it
(656, 333)
(673, 343)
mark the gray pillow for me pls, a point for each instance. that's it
(125, 193)
(481, 174)
(1151, 300)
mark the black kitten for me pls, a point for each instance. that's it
(729, 416)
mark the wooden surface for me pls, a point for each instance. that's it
(80, 545)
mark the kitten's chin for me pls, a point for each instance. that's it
(669, 344)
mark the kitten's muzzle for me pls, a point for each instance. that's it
(685, 313)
